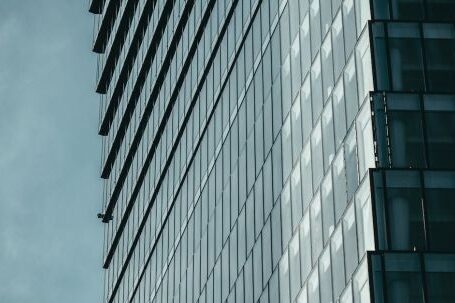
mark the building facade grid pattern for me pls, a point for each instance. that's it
(239, 138)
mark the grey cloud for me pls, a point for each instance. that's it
(50, 239)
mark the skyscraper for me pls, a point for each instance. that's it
(277, 150)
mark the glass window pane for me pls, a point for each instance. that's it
(273, 286)
(266, 252)
(328, 212)
(407, 10)
(403, 278)
(305, 251)
(365, 140)
(268, 193)
(286, 147)
(294, 260)
(241, 238)
(239, 289)
(276, 234)
(350, 91)
(440, 9)
(404, 211)
(362, 12)
(440, 277)
(316, 87)
(405, 131)
(350, 241)
(339, 184)
(233, 256)
(439, 44)
(305, 100)
(313, 287)
(336, 247)
(276, 106)
(277, 169)
(316, 227)
(380, 55)
(259, 137)
(350, 35)
(250, 225)
(364, 65)
(365, 227)
(303, 296)
(286, 219)
(327, 66)
(284, 278)
(440, 207)
(295, 66)
(296, 189)
(440, 130)
(326, 16)
(316, 153)
(328, 136)
(296, 116)
(350, 154)
(315, 20)
(258, 205)
(361, 283)
(257, 266)
(307, 176)
(405, 56)
(338, 45)
(268, 131)
(339, 111)
(286, 94)
(325, 274)
(305, 53)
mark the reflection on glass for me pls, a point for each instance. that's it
(405, 57)
(405, 218)
(440, 130)
(336, 247)
(313, 287)
(403, 278)
(440, 207)
(325, 277)
(328, 213)
(439, 49)
(440, 277)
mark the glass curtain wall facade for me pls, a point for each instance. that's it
(276, 150)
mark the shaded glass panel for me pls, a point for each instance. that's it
(305, 251)
(407, 9)
(405, 54)
(315, 26)
(294, 260)
(440, 9)
(439, 45)
(405, 131)
(325, 274)
(402, 278)
(440, 207)
(440, 278)
(380, 56)
(404, 211)
(338, 45)
(339, 111)
(328, 213)
(350, 241)
(316, 227)
(336, 247)
(440, 131)
(339, 184)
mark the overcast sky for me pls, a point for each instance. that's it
(50, 191)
